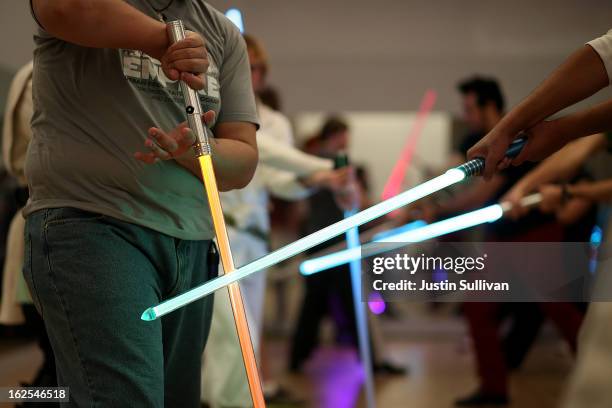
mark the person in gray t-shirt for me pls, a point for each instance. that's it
(108, 235)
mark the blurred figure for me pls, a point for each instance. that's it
(483, 107)
(326, 293)
(17, 306)
(582, 74)
(590, 380)
(284, 172)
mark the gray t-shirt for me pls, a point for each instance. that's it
(92, 110)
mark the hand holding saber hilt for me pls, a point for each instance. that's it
(193, 108)
(475, 166)
(527, 202)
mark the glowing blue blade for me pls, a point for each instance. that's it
(345, 256)
(449, 178)
(404, 228)
(361, 317)
(488, 214)
(235, 16)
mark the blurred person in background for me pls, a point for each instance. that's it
(17, 307)
(483, 107)
(588, 379)
(582, 74)
(329, 293)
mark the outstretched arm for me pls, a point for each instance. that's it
(123, 27)
(580, 76)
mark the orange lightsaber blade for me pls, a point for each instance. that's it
(176, 32)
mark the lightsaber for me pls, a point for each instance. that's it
(393, 185)
(484, 215)
(193, 109)
(361, 317)
(451, 177)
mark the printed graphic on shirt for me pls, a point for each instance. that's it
(146, 74)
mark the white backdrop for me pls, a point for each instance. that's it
(377, 139)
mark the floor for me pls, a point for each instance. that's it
(438, 358)
(440, 371)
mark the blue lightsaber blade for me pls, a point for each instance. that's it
(361, 317)
(484, 215)
(452, 176)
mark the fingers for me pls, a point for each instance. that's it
(196, 82)
(209, 117)
(158, 139)
(194, 66)
(187, 60)
(157, 151)
(483, 151)
(493, 161)
(191, 40)
(504, 164)
(522, 156)
(186, 54)
(148, 158)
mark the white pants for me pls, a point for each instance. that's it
(224, 382)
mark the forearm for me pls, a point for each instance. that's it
(288, 158)
(573, 211)
(102, 24)
(475, 196)
(580, 76)
(595, 191)
(564, 164)
(285, 185)
(597, 119)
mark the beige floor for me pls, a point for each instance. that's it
(440, 364)
(440, 371)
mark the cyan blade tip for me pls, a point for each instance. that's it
(149, 315)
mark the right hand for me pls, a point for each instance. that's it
(543, 139)
(187, 60)
(334, 180)
(552, 198)
(514, 197)
(492, 148)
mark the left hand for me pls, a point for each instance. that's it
(171, 145)
(334, 180)
(514, 197)
(543, 139)
(187, 60)
(552, 198)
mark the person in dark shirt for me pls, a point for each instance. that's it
(329, 292)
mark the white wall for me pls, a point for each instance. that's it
(358, 55)
(377, 140)
(383, 55)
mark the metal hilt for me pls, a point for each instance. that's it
(475, 166)
(341, 160)
(527, 202)
(193, 108)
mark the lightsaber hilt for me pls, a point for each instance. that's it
(341, 160)
(476, 166)
(529, 201)
(193, 108)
